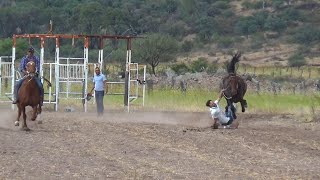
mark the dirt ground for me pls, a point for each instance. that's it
(158, 145)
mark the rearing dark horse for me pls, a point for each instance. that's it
(29, 95)
(234, 86)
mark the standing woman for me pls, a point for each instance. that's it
(100, 87)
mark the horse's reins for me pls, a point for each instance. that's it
(29, 75)
(227, 88)
(225, 94)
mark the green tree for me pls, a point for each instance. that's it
(275, 24)
(307, 35)
(154, 49)
(296, 60)
(6, 47)
(205, 28)
(246, 26)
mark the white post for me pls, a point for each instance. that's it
(41, 59)
(136, 82)
(13, 79)
(57, 74)
(144, 83)
(67, 75)
(0, 75)
(100, 60)
(129, 76)
(50, 79)
(85, 61)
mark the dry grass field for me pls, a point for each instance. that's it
(158, 145)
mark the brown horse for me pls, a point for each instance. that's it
(234, 86)
(29, 95)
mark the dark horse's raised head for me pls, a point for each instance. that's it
(233, 85)
(29, 95)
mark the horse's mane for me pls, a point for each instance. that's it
(231, 66)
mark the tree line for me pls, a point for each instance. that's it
(167, 24)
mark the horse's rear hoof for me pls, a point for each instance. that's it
(40, 122)
(243, 110)
(16, 123)
(33, 119)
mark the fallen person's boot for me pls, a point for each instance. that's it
(234, 125)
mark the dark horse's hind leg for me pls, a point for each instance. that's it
(24, 125)
(244, 105)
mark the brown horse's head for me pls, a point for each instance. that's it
(31, 67)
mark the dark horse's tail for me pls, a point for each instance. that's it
(231, 65)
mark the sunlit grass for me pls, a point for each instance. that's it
(194, 100)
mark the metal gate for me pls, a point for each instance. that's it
(69, 80)
(7, 79)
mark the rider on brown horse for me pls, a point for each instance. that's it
(22, 69)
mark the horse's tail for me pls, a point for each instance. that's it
(231, 65)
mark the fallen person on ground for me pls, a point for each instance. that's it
(221, 119)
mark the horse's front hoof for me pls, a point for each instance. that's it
(33, 119)
(243, 110)
(16, 123)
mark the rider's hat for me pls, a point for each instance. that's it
(31, 50)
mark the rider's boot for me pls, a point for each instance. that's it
(41, 101)
(15, 96)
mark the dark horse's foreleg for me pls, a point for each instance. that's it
(19, 114)
(244, 105)
(24, 125)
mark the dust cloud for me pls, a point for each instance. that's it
(195, 119)
(7, 118)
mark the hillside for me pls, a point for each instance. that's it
(268, 32)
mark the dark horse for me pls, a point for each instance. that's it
(234, 86)
(29, 95)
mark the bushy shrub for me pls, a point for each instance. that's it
(253, 5)
(187, 46)
(225, 42)
(212, 68)
(180, 68)
(199, 65)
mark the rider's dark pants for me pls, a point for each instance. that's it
(19, 83)
(229, 114)
(233, 110)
